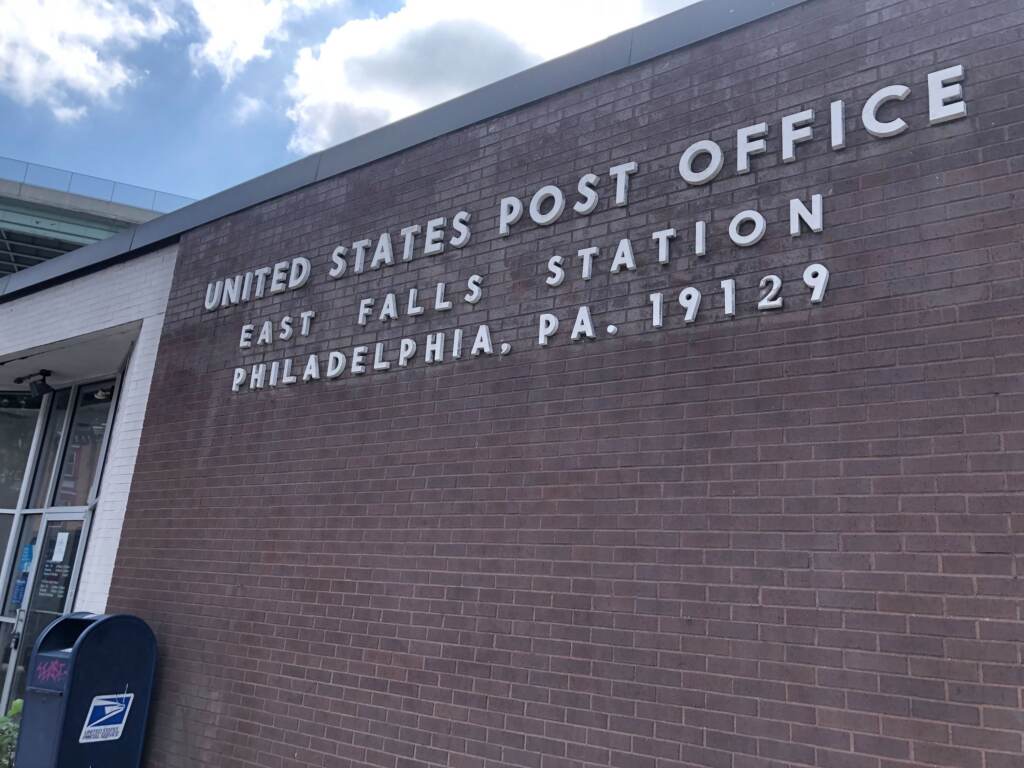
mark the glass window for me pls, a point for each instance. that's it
(22, 564)
(48, 451)
(18, 415)
(6, 523)
(85, 441)
(6, 651)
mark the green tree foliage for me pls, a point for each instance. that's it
(9, 734)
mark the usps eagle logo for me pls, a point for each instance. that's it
(106, 718)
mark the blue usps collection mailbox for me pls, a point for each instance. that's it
(90, 679)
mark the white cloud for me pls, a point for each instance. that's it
(237, 31)
(69, 114)
(67, 53)
(246, 108)
(373, 71)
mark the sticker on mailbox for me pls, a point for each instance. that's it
(106, 718)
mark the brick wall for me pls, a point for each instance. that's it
(793, 538)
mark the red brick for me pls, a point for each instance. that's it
(788, 539)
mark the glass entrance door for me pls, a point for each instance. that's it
(40, 589)
(51, 461)
(7, 622)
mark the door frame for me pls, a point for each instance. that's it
(52, 514)
(48, 516)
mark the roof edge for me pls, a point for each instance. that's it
(676, 30)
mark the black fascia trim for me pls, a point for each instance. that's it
(689, 25)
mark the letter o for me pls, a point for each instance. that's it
(705, 147)
(760, 227)
(541, 196)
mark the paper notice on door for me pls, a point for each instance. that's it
(60, 548)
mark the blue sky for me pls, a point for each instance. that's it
(193, 96)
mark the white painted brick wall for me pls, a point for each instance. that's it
(132, 291)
